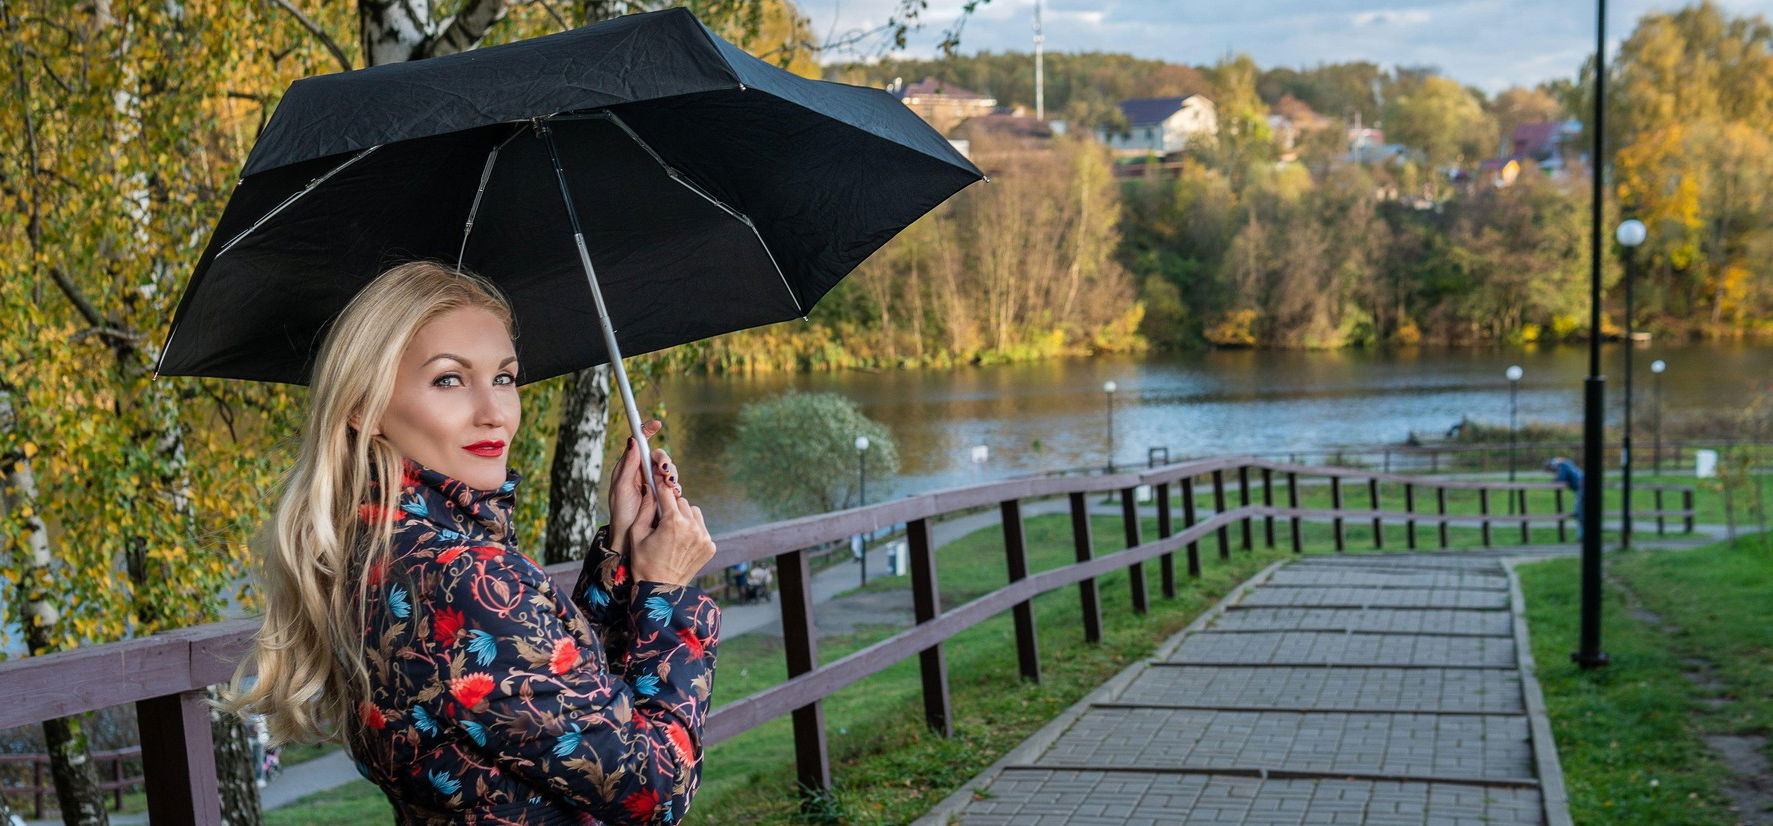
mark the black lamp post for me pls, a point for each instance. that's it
(1630, 234)
(1514, 384)
(1108, 387)
(1588, 653)
(862, 494)
(1656, 368)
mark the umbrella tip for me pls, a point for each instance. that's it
(985, 178)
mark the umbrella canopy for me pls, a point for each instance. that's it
(715, 192)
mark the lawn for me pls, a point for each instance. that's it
(1629, 735)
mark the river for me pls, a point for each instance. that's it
(1053, 414)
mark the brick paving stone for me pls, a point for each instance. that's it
(1331, 648)
(1375, 598)
(1389, 579)
(1400, 620)
(1377, 689)
(1020, 797)
(1492, 747)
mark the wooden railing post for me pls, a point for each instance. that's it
(1188, 520)
(1526, 529)
(1166, 564)
(178, 759)
(1336, 505)
(1557, 502)
(1687, 504)
(800, 644)
(1440, 501)
(1086, 589)
(1484, 509)
(1129, 514)
(1373, 499)
(1243, 500)
(1410, 508)
(1661, 526)
(1268, 501)
(1015, 549)
(117, 777)
(1224, 531)
(1293, 502)
(36, 790)
(926, 603)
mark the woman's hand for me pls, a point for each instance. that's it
(627, 486)
(673, 550)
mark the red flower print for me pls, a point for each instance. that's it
(621, 575)
(470, 689)
(371, 715)
(696, 644)
(448, 624)
(641, 804)
(377, 573)
(487, 551)
(409, 475)
(566, 655)
(372, 513)
(449, 554)
(680, 738)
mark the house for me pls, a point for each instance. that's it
(1161, 126)
(1289, 117)
(1367, 145)
(1543, 143)
(942, 105)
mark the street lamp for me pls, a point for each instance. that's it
(1514, 383)
(1631, 233)
(862, 494)
(1656, 368)
(1588, 652)
(1108, 387)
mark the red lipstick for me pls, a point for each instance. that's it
(486, 448)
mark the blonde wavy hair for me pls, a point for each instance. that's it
(315, 552)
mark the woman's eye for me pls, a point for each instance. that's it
(513, 379)
(445, 377)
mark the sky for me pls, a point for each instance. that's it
(1491, 44)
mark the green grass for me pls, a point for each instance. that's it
(1628, 735)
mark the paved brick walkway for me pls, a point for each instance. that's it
(1371, 688)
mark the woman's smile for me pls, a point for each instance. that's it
(491, 450)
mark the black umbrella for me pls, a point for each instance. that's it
(702, 189)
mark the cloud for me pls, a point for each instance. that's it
(1491, 44)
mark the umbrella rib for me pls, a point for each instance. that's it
(167, 345)
(485, 174)
(672, 173)
(292, 199)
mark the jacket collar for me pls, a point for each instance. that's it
(453, 505)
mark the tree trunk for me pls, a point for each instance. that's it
(578, 466)
(241, 804)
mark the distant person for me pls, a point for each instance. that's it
(1570, 475)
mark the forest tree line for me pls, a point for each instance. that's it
(1255, 242)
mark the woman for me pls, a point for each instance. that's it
(403, 621)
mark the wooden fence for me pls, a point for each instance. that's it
(165, 675)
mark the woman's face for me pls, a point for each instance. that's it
(457, 389)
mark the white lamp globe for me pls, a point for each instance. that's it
(1658, 366)
(861, 443)
(1108, 386)
(1631, 233)
(1514, 372)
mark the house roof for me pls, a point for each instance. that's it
(932, 86)
(1005, 126)
(1150, 110)
(1534, 135)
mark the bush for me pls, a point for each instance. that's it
(795, 454)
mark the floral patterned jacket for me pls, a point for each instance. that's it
(496, 701)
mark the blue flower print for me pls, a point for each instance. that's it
(648, 685)
(445, 783)
(567, 742)
(423, 719)
(596, 596)
(476, 731)
(397, 602)
(483, 646)
(416, 507)
(657, 609)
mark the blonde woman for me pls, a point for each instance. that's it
(402, 620)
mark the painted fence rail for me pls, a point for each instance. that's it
(165, 675)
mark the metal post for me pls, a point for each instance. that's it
(1218, 509)
(862, 493)
(1108, 387)
(1243, 500)
(1268, 500)
(1513, 387)
(1336, 505)
(1661, 526)
(1526, 531)
(1588, 653)
(1440, 501)
(1484, 508)
(1373, 499)
(1410, 508)
(1625, 439)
